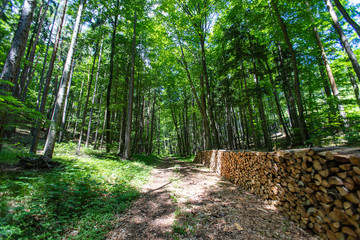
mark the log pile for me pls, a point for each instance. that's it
(318, 188)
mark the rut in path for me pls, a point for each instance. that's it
(187, 201)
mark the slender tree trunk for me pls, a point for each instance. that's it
(278, 105)
(355, 86)
(290, 101)
(78, 108)
(97, 125)
(249, 106)
(347, 17)
(121, 146)
(343, 39)
(103, 130)
(131, 95)
(11, 66)
(35, 140)
(108, 96)
(208, 94)
(63, 118)
(50, 141)
(87, 99)
(205, 121)
(299, 102)
(94, 96)
(21, 81)
(28, 67)
(330, 75)
(264, 124)
(41, 81)
(12, 62)
(176, 129)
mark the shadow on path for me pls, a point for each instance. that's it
(184, 200)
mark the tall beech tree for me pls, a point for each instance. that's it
(130, 94)
(55, 119)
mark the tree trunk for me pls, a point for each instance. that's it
(205, 121)
(12, 62)
(355, 86)
(97, 125)
(131, 95)
(264, 124)
(249, 106)
(343, 39)
(41, 81)
(180, 145)
(208, 94)
(20, 80)
(150, 150)
(35, 140)
(94, 96)
(87, 99)
(78, 108)
(299, 102)
(330, 75)
(50, 141)
(11, 66)
(290, 101)
(108, 96)
(103, 130)
(25, 78)
(278, 105)
(347, 17)
(63, 118)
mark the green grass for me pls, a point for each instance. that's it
(78, 201)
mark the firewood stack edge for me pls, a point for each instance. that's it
(316, 187)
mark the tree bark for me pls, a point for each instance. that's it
(131, 95)
(208, 94)
(41, 81)
(355, 87)
(329, 73)
(343, 38)
(18, 45)
(25, 76)
(63, 118)
(299, 102)
(278, 105)
(97, 125)
(87, 99)
(11, 66)
(94, 96)
(50, 141)
(108, 96)
(347, 17)
(264, 124)
(150, 150)
(35, 140)
(205, 121)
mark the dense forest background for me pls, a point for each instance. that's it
(176, 76)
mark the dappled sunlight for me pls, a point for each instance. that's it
(185, 201)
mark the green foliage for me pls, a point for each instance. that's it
(78, 201)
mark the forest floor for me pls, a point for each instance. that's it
(184, 200)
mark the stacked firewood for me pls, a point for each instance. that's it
(319, 188)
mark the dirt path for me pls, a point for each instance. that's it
(187, 201)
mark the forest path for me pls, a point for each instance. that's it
(184, 200)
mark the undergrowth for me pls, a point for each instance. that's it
(78, 201)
